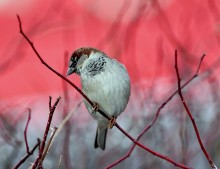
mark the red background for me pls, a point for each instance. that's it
(143, 36)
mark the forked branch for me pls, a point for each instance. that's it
(188, 111)
(28, 152)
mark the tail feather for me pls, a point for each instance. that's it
(100, 138)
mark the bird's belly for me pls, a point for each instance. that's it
(107, 93)
(106, 100)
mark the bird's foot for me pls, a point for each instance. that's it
(95, 107)
(112, 122)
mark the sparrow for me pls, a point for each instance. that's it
(105, 82)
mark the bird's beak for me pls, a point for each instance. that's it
(70, 71)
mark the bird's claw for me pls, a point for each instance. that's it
(95, 107)
(112, 122)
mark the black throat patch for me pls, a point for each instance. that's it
(96, 66)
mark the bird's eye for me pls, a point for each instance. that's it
(73, 62)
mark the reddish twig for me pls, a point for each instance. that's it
(46, 149)
(151, 151)
(157, 115)
(25, 131)
(52, 109)
(29, 153)
(101, 112)
(66, 148)
(189, 113)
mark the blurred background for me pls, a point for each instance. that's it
(143, 35)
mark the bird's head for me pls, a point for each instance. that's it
(77, 59)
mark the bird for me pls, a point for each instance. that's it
(106, 82)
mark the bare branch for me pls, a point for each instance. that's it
(28, 152)
(188, 111)
(25, 131)
(200, 63)
(151, 151)
(48, 145)
(52, 109)
(28, 155)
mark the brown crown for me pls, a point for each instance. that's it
(85, 50)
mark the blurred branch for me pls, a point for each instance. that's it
(189, 113)
(64, 85)
(167, 28)
(25, 131)
(59, 162)
(112, 32)
(67, 129)
(91, 103)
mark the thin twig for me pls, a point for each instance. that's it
(28, 155)
(59, 162)
(28, 152)
(151, 151)
(25, 131)
(38, 161)
(48, 145)
(91, 103)
(190, 114)
(52, 108)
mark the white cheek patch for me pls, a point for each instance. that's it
(70, 63)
